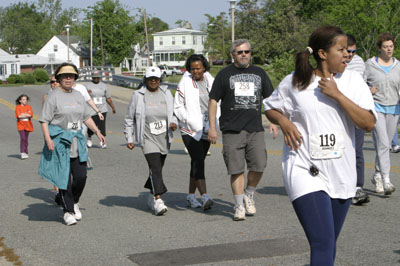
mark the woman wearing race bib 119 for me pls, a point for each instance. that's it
(150, 117)
(318, 110)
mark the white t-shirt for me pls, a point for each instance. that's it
(316, 114)
(82, 89)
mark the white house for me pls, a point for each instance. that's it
(57, 48)
(9, 64)
(170, 46)
(138, 60)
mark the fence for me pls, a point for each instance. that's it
(106, 72)
(133, 82)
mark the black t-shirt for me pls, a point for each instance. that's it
(241, 91)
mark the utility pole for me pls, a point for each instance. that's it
(102, 50)
(147, 37)
(223, 38)
(91, 44)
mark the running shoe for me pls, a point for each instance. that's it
(89, 143)
(249, 204)
(192, 202)
(78, 214)
(208, 153)
(377, 181)
(150, 201)
(24, 156)
(240, 213)
(159, 207)
(360, 198)
(206, 201)
(69, 218)
(395, 149)
(388, 188)
(186, 150)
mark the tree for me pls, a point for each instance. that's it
(154, 25)
(23, 29)
(181, 23)
(118, 31)
(213, 43)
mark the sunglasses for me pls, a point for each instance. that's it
(53, 81)
(243, 51)
(153, 79)
(352, 51)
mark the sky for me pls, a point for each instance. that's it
(167, 10)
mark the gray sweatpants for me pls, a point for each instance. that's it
(383, 134)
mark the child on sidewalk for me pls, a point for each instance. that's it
(23, 113)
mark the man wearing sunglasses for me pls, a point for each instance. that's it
(241, 87)
(356, 63)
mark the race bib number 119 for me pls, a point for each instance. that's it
(326, 146)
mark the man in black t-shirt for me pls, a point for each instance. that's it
(241, 87)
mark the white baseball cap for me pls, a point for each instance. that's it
(152, 72)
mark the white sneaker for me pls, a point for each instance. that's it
(240, 213)
(208, 153)
(192, 201)
(150, 201)
(186, 150)
(103, 145)
(159, 207)
(69, 218)
(78, 214)
(24, 156)
(388, 188)
(249, 204)
(89, 143)
(206, 201)
(377, 181)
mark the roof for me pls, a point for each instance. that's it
(2, 52)
(179, 31)
(7, 58)
(32, 59)
(76, 45)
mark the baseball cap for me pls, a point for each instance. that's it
(152, 72)
(96, 74)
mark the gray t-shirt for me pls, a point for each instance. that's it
(203, 100)
(156, 128)
(99, 94)
(67, 110)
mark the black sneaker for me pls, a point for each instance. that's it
(360, 198)
(57, 199)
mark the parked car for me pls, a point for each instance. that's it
(167, 71)
(219, 62)
(178, 70)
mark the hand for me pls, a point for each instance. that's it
(172, 126)
(329, 87)
(130, 146)
(50, 144)
(212, 135)
(101, 117)
(292, 136)
(101, 137)
(274, 130)
(89, 91)
(373, 90)
(113, 110)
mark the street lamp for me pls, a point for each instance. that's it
(232, 9)
(67, 28)
(223, 37)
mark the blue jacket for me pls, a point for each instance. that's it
(55, 165)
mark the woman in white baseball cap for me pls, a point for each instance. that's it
(150, 117)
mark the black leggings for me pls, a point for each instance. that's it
(101, 124)
(76, 184)
(155, 180)
(198, 152)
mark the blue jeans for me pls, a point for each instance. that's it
(322, 218)
(395, 140)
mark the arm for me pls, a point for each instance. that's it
(274, 130)
(92, 126)
(129, 123)
(292, 136)
(94, 107)
(179, 103)
(44, 98)
(110, 103)
(363, 118)
(212, 113)
(46, 134)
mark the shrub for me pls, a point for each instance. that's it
(41, 75)
(14, 78)
(28, 78)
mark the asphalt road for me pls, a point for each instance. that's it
(118, 229)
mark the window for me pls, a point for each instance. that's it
(173, 40)
(161, 41)
(194, 40)
(55, 48)
(144, 62)
(3, 69)
(13, 69)
(183, 40)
